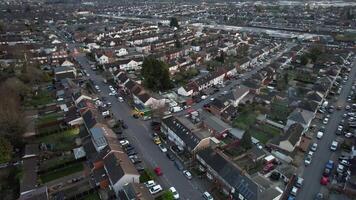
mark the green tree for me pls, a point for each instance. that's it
(167, 195)
(5, 150)
(246, 142)
(174, 22)
(155, 74)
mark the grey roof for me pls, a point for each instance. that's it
(29, 178)
(37, 194)
(89, 119)
(97, 134)
(62, 69)
(113, 168)
(301, 116)
(238, 92)
(188, 137)
(293, 133)
(220, 126)
(232, 175)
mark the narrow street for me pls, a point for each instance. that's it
(138, 133)
(313, 172)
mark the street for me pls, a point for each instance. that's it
(313, 172)
(138, 133)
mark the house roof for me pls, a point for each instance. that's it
(97, 134)
(144, 97)
(61, 69)
(293, 133)
(231, 174)
(89, 119)
(135, 191)
(238, 92)
(219, 126)
(37, 194)
(188, 137)
(301, 116)
(117, 164)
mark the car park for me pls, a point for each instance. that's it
(155, 189)
(187, 174)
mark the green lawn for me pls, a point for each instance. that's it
(42, 98)
(92, 196)
(245, 120)
(62, 141)
(71, 169)
(49, 118)
(265, 132)
(56, 161)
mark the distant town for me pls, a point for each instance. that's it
(168, 99)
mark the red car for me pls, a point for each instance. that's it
(269, 167)
(324, 180)
(158, 171)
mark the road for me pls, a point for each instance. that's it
(139, 134)
(313, 172)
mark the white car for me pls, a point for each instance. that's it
(294, 191)
(348, 135)
(121, 99)
(162, 148)
(319, 135)
(307, 160)
(207, 196)
(174, 192)
(155, 189)
(326, 120)
(97, 87)
(187, 174)
(124, 142)
(112, 94)
(314, 147)
(150, 183)
(334, 145)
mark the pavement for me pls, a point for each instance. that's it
(313, 172)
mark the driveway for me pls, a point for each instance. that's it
(313, 172)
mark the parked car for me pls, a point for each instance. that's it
(124, 142)
(155, 189)
(179, 165)
(158, 171)
(314, 147)
(307, 160)
(174, 192)
(294, 191)
(187, 174)
(299, 182)
(150, 183)
(162, 148)
(319, 135)
(170, 156)
(207, 196)
(334, 145)
(326, 120)
(267, 168)
(324, 180)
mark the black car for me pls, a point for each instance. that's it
(170, 156)
(139, 167)
(130, 148)
(153, 124)
(131, 153)
(124, 126)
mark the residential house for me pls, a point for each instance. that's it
(63, 72)
(218, 128)
(232, 180)
(291, 138)
(301, 116)
(236, 95)
(182, 135)
(121, 52)
(137, 191)
(120, 170)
